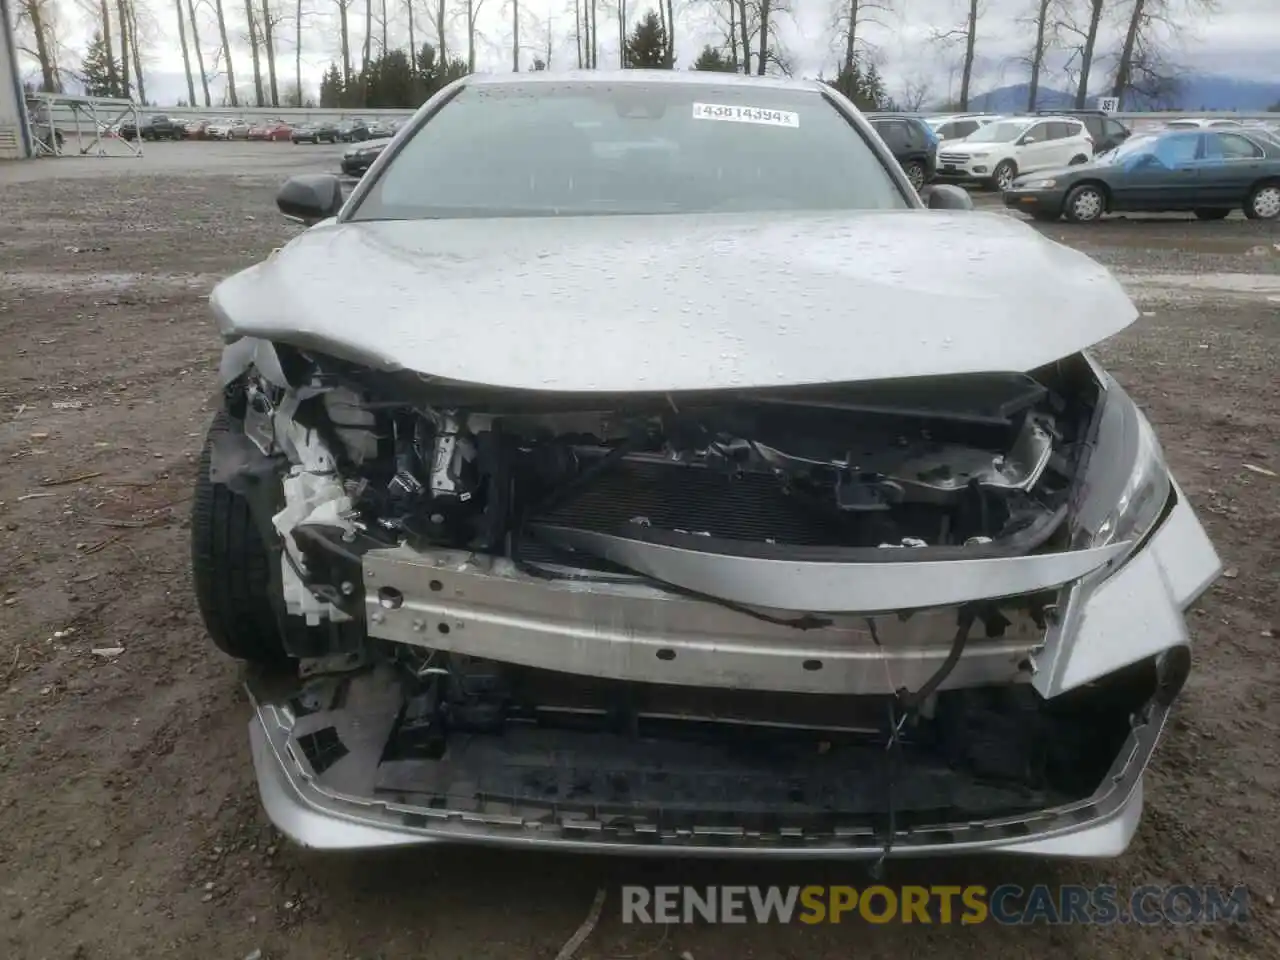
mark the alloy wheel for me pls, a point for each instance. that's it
(915, 173)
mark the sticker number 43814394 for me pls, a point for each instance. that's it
(735, 114)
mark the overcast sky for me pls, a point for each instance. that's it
(1240, 40)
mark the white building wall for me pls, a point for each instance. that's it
(15, 140)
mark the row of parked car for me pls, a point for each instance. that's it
(1083, 164)
(992, 149)
(164, 127)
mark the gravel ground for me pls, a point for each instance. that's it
(131, 825)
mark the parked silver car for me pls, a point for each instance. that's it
(578, 484)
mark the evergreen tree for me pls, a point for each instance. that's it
(331, 89)
(100, 70)
(714, 61)
(873, 93)
(647, 45)
(388, 81)
(865, 89)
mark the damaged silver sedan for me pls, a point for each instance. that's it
(605, 482)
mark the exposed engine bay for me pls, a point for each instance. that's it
(949, 467)
(532, 570)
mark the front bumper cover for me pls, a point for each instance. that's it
(1035, 201)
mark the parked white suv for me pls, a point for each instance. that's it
(958, 126)
(998, 152)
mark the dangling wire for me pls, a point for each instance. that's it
(904, 706)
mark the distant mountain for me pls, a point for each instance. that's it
(1199, 92)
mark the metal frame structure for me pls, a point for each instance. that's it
(99, 113)
(15, 137)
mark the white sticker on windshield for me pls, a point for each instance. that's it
(764, 115)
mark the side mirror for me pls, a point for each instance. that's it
(1026, 140)
(310, 198)
(947, 196)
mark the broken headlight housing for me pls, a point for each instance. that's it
(1126, 485)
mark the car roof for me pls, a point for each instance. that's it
(707, 78)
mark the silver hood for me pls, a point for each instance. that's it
(670, 303)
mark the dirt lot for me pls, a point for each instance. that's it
(131, 825)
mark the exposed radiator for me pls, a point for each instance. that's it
(697, 500)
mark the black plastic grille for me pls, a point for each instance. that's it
(697, 500)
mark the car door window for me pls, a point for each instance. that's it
(1230, 146)
(1039, 132)
(892, 132)
(1178, 150)
(966, 127)
(1055, 130)
(1114, 130)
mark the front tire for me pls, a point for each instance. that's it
(230, 568)
(1211, 214)
(1085, 204)
(1263, 202)
(1003, 175)
(915, 172)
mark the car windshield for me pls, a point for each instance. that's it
(1166, 150)
(1000, 132)
(1130, 148)
(574, 149)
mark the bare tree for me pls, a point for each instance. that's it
(577, 29)
(622, 33)
(595, 39)
(762, 36)
(253, 50)
(270, 21)
(226, 53)
(113, 79)
(195, 42)
(744, 32)
(968, 33)
(1143, 66)
(122, 10)
(731, 34)
(297, 50)
(40, 15)
(1080, 27)
(368, 42)
(847, 20)
(413, 44)
(384, 27)
(345, 30)
(186, 56)
(472, 15)
(135, 46)
(1035, 60)
(915, 92)
(671, 33)
(442, 36)
(515, 36)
